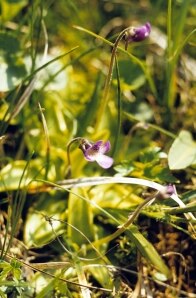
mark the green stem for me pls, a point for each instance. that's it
(68, 173)
(104, 100)
(132, 57)
(179, 49)
(170, 74)
(118, 110)
(173, 50)
(149, 125)
(169, 33)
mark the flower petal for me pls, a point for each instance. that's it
(104, 161)
(138, 33)
(142, 32)
(105, 147)
(90, 155)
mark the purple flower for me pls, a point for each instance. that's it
(167, 192)
(135, 34)
(96, 152)
(170, 190)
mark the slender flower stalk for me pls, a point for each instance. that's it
(78, 139)
(130, 34)
(104, 100)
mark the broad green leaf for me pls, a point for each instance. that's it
(13, 176)
(124, 169)
(13, 69)
(131, 75)
(4, 273)
(11, 74)
(9, 44)
(80, 218)
(47, 288)
(182, 152)
(10, 8)
(40, 282)
(17, 273)
(189, 196)
(2, 294)
(38, 230)
(159, 173)
(101, 274)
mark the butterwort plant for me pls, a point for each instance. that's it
(92, 151)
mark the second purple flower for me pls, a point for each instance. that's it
(135, 34)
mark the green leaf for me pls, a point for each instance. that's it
(13, 69)
(159, 172)
(13, 175)
(6, 268)
(9, 44)
(123, 169)
(11, 74)
(10, 8)
(102, 275)
(131, 75)
(17, 273)
(80, 219)
(182, 152)
(2, 295)
(37, 229)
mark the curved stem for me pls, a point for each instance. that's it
(117, 135)
(132, 57)
(104, 100)
(68, 173)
